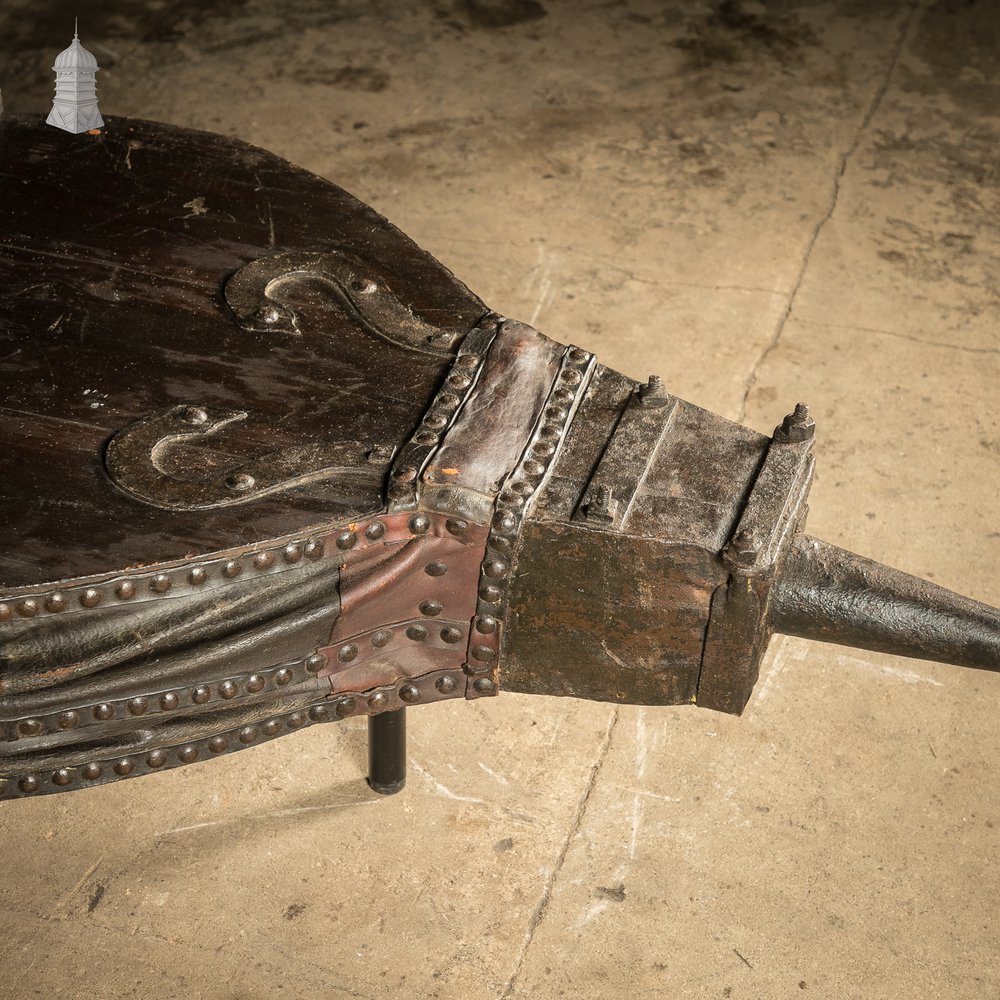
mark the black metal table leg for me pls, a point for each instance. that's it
(387, 752)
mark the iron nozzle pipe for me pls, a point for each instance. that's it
(833, 595)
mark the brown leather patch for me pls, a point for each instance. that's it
(489, 436)
(408, 596)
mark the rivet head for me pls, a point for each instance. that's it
(436, 421)
(5, 612)
(557, 414)
(315, 663)
(239, 481)
(409, 693)
(29, 727)
(28, 784)
(282, 676)
(571, 377)
(504, 522)
(231, 569)
(483, 653)
(228, 689)
(160, 583)
(346, 540)
(69, 720)
(91, 771)
(272, 727)
(217, 744)
(425, 437)
(405, 475)
(314, 549)
(419, 524)
(345, 706)
(156, 758)
(430, 608)
(562, 394)
(495, 568)
(502, 543)
(550, 432)
(467, 361)
(125, 590)
(459, 380)
(486, 625)
(187, 754)
(248, 734)
(446, 684)
(375, 531)
(578, 355)
(510, 499)
(456, 526)
(544, 449)
(297, 720)
(263, 560)
(347, 652)
(533, 467)
(450, 634)
(91, 597)
(62, 777)
(320, 713)
(255, 683)
(137, 706)
(381, 638)
(483, 685)
(104, 712)
(169, 701)
(448, 401)
(197, 576)
(523, 488)
(201, 694)
(378, 701)
(435, 569)
(416, 632)
(291, 553)
(56, 602)
(124, 767)
(490, 593)
(194, 415)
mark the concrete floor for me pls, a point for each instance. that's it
(761, 204)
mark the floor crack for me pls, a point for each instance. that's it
(881, 332)
(581, 809)
(845, 157)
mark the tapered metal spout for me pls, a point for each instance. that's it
(830, 594)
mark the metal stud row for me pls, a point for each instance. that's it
(441, 634)
(151, 585)
(163, 702)
(447, 403)
(351, 541)
(431, 687)
(187, 753)
(511, 506)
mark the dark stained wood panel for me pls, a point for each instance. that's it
(114, 250)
